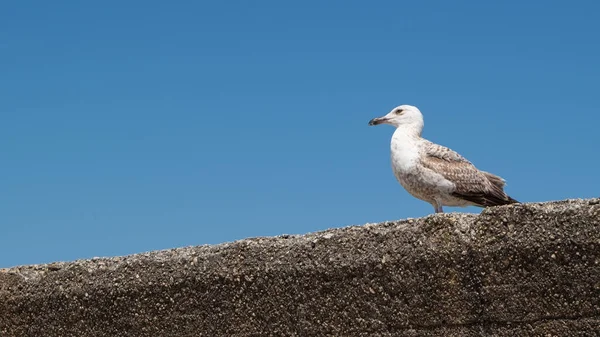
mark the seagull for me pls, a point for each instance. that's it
(434, 173)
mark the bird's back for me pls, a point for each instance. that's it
(471, 184)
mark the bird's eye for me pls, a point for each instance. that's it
(399, 111)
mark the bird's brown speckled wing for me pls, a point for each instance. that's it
(479, 187)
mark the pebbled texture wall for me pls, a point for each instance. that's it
(518, 270)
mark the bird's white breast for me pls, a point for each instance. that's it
(404, 152)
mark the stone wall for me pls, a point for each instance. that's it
(519, 270)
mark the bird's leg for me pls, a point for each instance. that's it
(438, 208)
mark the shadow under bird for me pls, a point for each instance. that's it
(434, 173)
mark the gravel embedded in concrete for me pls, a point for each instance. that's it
(518, 270)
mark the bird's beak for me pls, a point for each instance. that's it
(378, 120)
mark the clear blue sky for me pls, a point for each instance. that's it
(129, 126)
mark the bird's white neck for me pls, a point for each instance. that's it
(410, 131)
(405, 148)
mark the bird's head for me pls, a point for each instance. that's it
(401, 115)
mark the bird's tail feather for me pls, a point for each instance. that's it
(512, 201)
